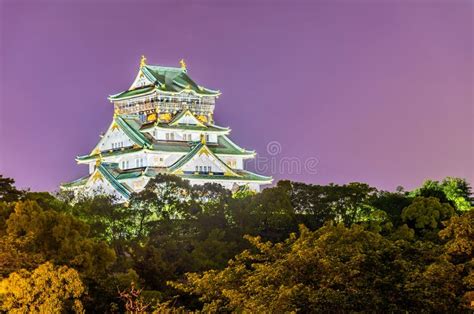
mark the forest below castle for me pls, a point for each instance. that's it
(176, 248)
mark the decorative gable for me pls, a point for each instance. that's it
(201, 160)
(140, 81)
(186, 117)
(114, 138)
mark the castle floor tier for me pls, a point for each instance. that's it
(163, 124)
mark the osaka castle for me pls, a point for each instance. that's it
(164, 124)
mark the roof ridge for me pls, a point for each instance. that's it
(111, 179)
(135, 135)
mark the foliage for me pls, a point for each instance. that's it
(8, 192)
(455, 191)
(348, 203)
(359, 249)
(59, 237)
(47, 289)
(333, 269)
(426, 214)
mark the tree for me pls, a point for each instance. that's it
(393, 204)
(458, 191)
(425, 215)
(8, 192)
(332, 269)
(455, 191)
(58, 237)
(47, 289)
(269, 214)
(317, 204)
(459, 250)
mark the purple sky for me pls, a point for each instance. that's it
(378, 91)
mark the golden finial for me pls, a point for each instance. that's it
(203, 139)
(98, 161)
(183, 64)
(142, 61)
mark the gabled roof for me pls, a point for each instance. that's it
(167, 80)
(133, 131)
(173, 79)
(200, 149)
(106, 170)
(224, 147)
(183, 114)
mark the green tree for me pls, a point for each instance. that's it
(458, 191)
(59, 237)
(459, 250)
(393, 204)
(47, 289)
(332, 269)
(317, 204)
(8, 191)
(425, 215)
(455, 191)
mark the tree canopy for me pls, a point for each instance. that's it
(293, 247)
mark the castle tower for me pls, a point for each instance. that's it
(164, 124)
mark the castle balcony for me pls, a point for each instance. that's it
(164, 106)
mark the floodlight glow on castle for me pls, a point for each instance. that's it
(164, 124)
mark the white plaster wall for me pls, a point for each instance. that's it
(239, 164)
(101, 186)
(172, 158)
(137, 184)
(114, 136)
(203, 160)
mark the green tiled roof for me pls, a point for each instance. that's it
(113, 174)
(105, 170)
(108, 153)
(243, 176)
(174, 79)
(167, 79)
(134, 92)
(183, 160)
(226, 146)
(76, 183)
(132, 131)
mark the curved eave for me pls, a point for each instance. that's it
(75, 184)
(181, 74)
(84, 159)
(256, 178)
(117, 97)
(158, 88)
(177, 127)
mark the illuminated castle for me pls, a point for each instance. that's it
(164, 124)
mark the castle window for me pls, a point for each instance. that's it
(170, 136)
(139, 162)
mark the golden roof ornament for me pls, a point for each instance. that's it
(183, 64)
(142, 61)
(98, 161)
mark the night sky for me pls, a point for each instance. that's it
(377, 91)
